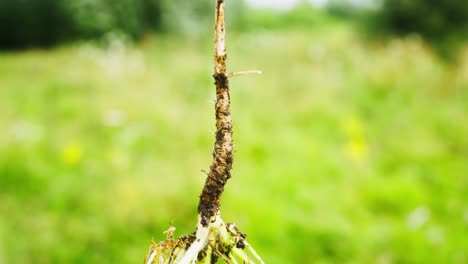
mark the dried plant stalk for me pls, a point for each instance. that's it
(220, 170)
(213, 239)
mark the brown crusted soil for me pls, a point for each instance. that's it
(220, 170)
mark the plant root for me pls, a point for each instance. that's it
(218, 240)
(213, 240)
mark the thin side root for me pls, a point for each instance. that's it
(218, 253)
(234, 74)
(253, 252)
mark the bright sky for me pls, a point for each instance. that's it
(281, 4)
(286, 4)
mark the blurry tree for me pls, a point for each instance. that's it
(443, 23)
(433, 19)
(25, 23)
(31, 22)
(95, 17)
(341, 8)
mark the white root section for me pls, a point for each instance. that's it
(217, 240)
(200, 243)
(151, 257)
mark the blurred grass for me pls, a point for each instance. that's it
(346, 151)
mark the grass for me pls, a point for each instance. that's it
(346, 151)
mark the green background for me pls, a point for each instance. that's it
(348, 150)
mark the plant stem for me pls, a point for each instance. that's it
(220, 170)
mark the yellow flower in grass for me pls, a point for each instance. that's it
(72, 154)
(356, 146)
(357, 149)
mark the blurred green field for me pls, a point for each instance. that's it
(346, 151)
